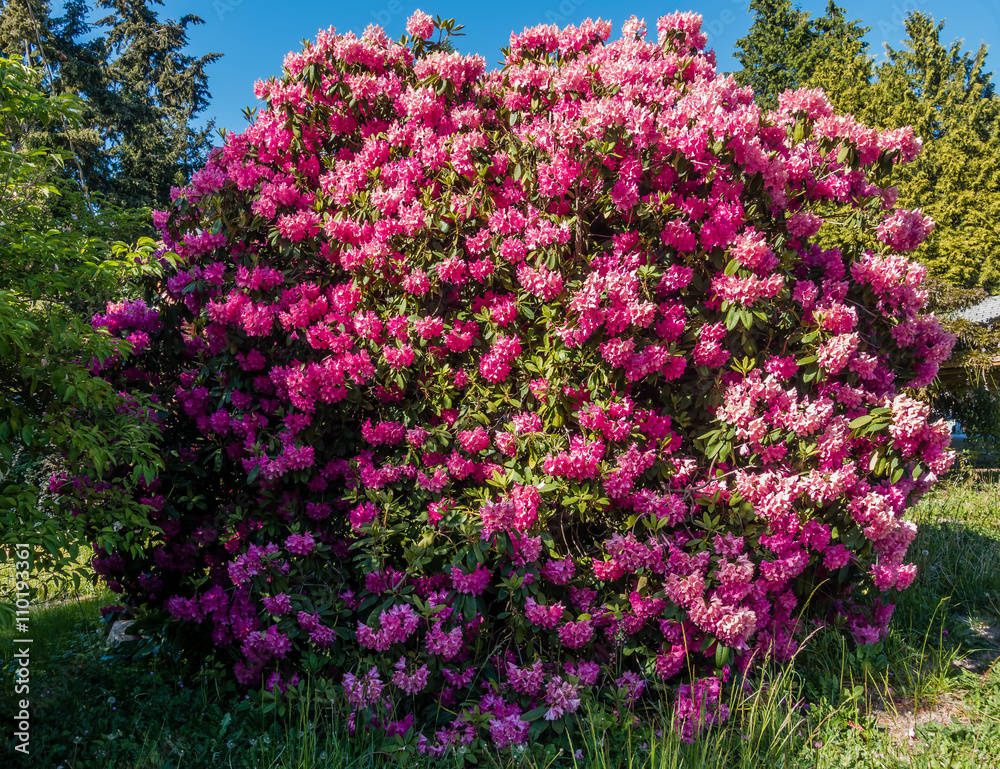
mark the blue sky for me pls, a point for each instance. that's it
(254, 35)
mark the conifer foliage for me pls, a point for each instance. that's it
(947, 96)
(485, 395)
(784, 47)
(142, 91)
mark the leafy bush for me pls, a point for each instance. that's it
(484, 394)
(52, 406)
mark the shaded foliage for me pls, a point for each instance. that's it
(141, 92)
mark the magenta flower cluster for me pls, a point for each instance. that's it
(471, 381)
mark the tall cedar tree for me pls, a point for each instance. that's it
(142, 92)
(945, 94)
(784, 46)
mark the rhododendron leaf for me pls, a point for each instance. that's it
(860, 421)
(534, 715)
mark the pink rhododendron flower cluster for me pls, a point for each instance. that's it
(493, 374)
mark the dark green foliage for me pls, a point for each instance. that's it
(142, 93)
(51, 405)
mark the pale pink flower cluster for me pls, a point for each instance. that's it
(752, 251)
(509, 730)
(446, 644)
(527, 422)
(543, 616)
(581, 461)
(363, 691)
(497, 516)
(835, 354)
(473, 583)
(527, 680)
(576, 634)
(300, 544)
(420, 25)
(904, 230)
(397, 624)
(558, 572)
(748, 290)
(562, 698)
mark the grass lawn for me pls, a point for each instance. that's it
(927, 696)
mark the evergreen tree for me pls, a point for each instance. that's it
(841, 66)
(949, 99)
(156, 92)
(845, 74)
(141, 92)
(771, 52)
(784, 47)
(946, 95)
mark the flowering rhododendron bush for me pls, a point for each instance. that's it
(488, 395)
